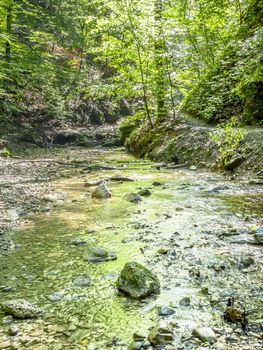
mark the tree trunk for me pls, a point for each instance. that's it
(8, 31)
(159, 48)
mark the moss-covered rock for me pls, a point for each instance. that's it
(137, 281)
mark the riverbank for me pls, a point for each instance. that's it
(188, 142)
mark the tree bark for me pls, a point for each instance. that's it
(8, 31)
(159, 48)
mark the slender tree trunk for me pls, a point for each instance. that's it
(8, 31)
(159, 47)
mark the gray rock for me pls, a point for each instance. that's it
(157, 183)
(205, 334)
(101, 192)
(82, 281)
(133, 198)
(165, 311)
(57, 296)
(20, 308)
(137, 281)
(259, 235)
(78, 242)
(161, 334)
(13, 330)
(145, 193)
(186, 301)
(121, 179)
(98, 255)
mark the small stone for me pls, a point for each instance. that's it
(163, 250)
(205, 334)
(57, 296)
(82, 281)
(13, 330)
(133, 198)
(20, 308)
(186, 301)
(259, 235)
(161, 334)
(157, 183)
(138, 337)
(145, 193)
(5, 344)
(193, 168)
(7, 320)
(165, 311)
(101, 192)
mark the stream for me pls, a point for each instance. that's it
(195, 232)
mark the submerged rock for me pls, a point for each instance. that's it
(205, 334)
(145, 193)
(97, 255)
(133, 198)
(137, 281)
(101, 191)
(82, 281)
(20, 308)
(161, 334)
(121, 179)
(165, 311)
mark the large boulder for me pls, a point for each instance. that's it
(137, 281)
(101, 191)
(20, 308)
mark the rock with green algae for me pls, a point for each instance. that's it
(20, 308)
(137, 281)
(101, 192)
(97, 255)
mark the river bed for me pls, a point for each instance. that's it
(195, 232)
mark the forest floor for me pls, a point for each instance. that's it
(195, 232)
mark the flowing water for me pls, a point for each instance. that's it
(197, 216)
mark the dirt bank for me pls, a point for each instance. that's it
(189, 143)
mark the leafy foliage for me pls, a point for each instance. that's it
(228, 138)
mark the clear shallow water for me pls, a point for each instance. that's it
(187, 214)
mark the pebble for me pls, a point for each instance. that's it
(13, 330)
(5, 344)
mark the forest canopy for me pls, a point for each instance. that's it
(97, 61)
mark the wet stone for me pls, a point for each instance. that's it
(137, 281)
(186, 301)
(101, 192)
(20, 308)
(13, 330)
(133, 198)
(161, 334)
(205, 334)
(57, 296)
(82, 281)
(145, 193)
(98, 255)
(166, 311)
(5, 344)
